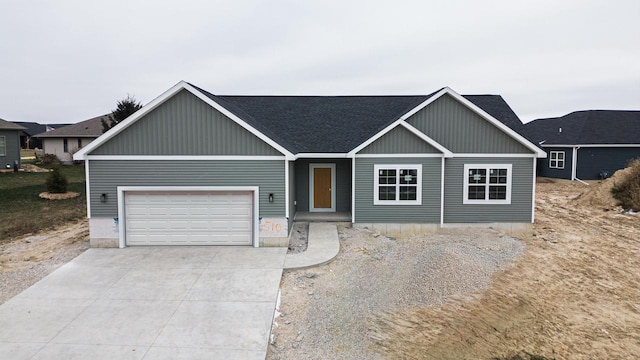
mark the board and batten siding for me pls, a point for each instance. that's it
(594, 160)
(461, 130)
(546, 171)
(185, 125)
(428, 212)
(343, 183)
(519, 211)
(106, 175)
(399, 141)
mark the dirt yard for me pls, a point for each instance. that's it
(571, 291)
(29, 258)
(573, 294)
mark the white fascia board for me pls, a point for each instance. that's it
(399, 155)
(491, 155)
(239, 121)
(427, 139)
(497, 123)
(80, 155)
(321, 156)
(184, 157)
(593, 145)
(394, 124)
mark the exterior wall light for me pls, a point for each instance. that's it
(270, 197)
(103, 197)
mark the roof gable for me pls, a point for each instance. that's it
(184, 125)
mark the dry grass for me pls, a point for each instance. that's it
(627, 192)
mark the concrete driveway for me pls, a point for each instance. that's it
(148, 303)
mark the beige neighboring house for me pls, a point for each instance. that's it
(65, 141)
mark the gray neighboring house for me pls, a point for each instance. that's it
(9, 144)
(193, 168)
(586, 145)
(66, 140)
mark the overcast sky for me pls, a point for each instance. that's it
(67, 61)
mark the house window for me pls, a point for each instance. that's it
(556, 159)
(3, 146)
(65, 145)
(487, 184)
(79, 143)
(397, 184)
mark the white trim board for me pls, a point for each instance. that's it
(491, 155)
(331, 166)
(416, 155)
(183, 157)
(120, 190)
(182, 85)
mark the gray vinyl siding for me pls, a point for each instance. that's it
(428, 212)
(593, 161)
(343, 182)
(461, 130)
(545, 171)
(518, 211)
(292, 193)
(106, 175)
(398, 141)
(185, 125)
(12, 148)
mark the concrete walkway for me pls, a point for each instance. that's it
(148, 303)
(322, 247)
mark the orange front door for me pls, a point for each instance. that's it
(322, 188)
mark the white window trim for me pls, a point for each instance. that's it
(465, 192)
(552, 158)
(3, 148)
(397, 201)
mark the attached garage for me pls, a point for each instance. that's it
(187, 217)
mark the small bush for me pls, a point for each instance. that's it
(628, 191)
(50, 159)
(56, 182)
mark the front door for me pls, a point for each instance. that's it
(321, 186)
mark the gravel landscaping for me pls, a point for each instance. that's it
(326, 311)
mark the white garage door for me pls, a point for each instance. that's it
(188, 218)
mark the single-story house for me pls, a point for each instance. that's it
(193, 168)
(27, 136)
(66, 140)
(586, 145)
(9, 145)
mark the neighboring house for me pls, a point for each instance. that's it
(9, 144)
(64, 141)
(586, 145)
(27, 141)
(193, 168)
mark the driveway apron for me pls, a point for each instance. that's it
(148, 303)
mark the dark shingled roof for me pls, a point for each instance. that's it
(87, 128)
(335, 124)
(586, 128)
(31, 128)
(8, 125)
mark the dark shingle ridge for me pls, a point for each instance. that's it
(586, 127)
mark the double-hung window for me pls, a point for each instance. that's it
(3, 146)
(556, 159)
(65, 145)
(397, 184)
(487, 184)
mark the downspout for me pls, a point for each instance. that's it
(353, 189)
(574, 166)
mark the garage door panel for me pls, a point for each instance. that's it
(189, 218)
